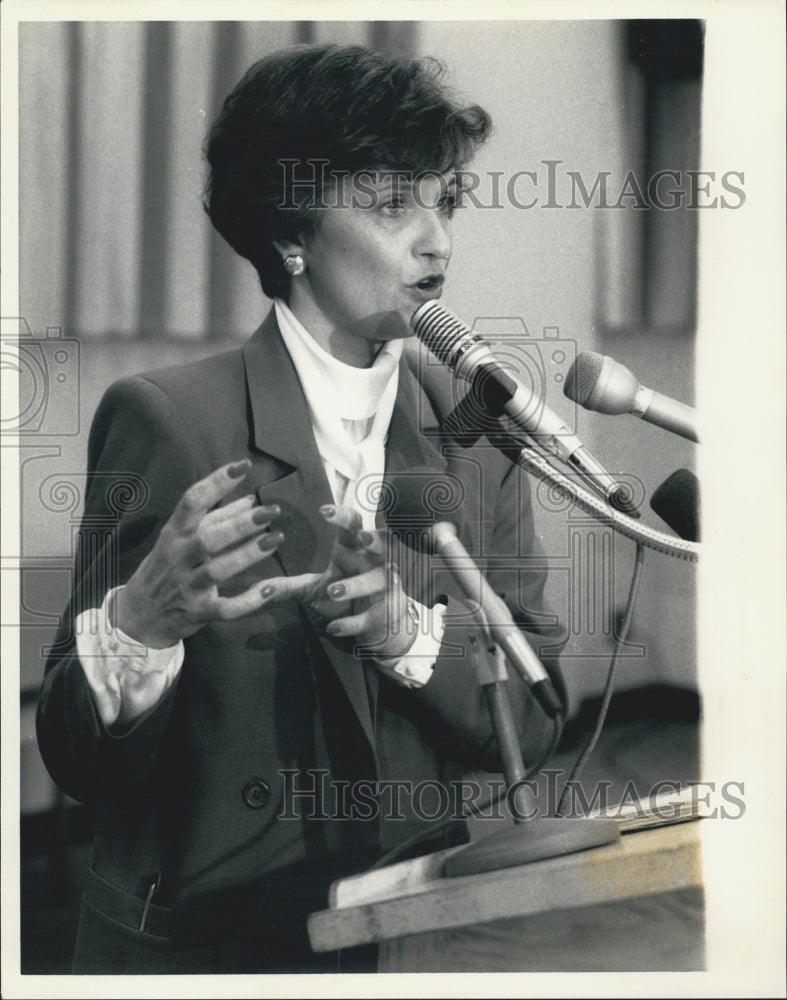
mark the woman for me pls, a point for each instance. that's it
(246, 651)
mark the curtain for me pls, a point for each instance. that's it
(113, 238)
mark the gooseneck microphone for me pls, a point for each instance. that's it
(601, 384)
(469, 357)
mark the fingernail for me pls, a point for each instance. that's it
(365, 537)
(238, 469)
(336, 591)
(270, 540)
(261, 514)
(328, 510)
(333, 629)
(268, 590)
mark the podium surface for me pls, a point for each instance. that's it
(635, 905)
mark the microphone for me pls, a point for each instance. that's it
(499, 619)
(677, 501)
(470, 357)
(601, 384)
(410, 503)
(413, 497)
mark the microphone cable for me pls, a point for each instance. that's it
(620, 641)
(474, 810)
(532, 461)
(391, 856)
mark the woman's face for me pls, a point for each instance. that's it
(382, 247)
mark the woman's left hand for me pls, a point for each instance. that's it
(360, 594)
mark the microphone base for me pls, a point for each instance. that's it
(533, 840)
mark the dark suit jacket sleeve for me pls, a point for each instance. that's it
(139, 465)
(452, 693)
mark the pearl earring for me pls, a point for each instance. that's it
(294, 265)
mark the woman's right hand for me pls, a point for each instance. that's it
(176, 588)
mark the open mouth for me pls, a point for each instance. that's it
(430, 283)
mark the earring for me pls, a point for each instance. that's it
(294, 265)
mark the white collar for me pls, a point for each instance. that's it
(350, 408)
(357, 392)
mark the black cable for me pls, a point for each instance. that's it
(607, 696)
(590, 745)
(390, 856)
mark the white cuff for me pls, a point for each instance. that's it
(125, 677)
(414, 669)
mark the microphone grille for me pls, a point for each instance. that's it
(440, 331)
(582, 377)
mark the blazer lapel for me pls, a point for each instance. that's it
(281, 428)
(413, 427)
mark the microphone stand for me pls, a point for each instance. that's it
(533, 837)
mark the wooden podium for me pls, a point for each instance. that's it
(634, 906)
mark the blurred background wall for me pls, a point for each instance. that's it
(121, 271)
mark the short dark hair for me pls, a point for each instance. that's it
(358, 109)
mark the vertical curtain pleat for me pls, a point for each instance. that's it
(619, 293)
(342, 32)
(156, 217)
(395, 38)
(190, 108)
(111, 156)
(671, 242)
(223, 277)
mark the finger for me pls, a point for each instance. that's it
(373, 627)
(357, 625)
(230, 509)
(230, 608)
(372, 582)
(355, 550)
(285, 588)
(379, 625)
(221, 567)
(201, 496)
(375, 544)
(347, 523)
(257, 596)
(218, 535)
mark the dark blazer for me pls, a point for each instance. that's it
(196, 797)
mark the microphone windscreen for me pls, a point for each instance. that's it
(677, 502)
(582, 377)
